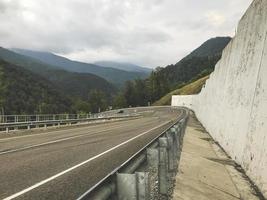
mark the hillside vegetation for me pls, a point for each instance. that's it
(198, 63)
(192, 88)
(77, 85)
(22, 92)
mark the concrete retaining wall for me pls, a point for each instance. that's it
(183, 100)
(233, 104)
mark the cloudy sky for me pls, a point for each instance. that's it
(145, 32)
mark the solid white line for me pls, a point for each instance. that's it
(78, 165)
(59, 140)
(45, 133)
(52, 131)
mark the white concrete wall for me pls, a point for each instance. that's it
(182, 100)
(233, 104)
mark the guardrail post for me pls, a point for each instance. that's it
(163, 175)
(7, 130)
(171, 156)
(153, 158)
(176, 141)
(153, 168)
(132, 186)
(29, 127)
(142, 185)
(182, 132)
(126, 186)
(37, 120)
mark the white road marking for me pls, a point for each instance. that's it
(78, 165)
(49, 132)
(59, 140)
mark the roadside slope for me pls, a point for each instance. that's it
(191, 88)
(22, 92)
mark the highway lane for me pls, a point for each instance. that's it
(63, 164)
(12, 144)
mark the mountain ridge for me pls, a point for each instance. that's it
(123, 66)
(115, 76)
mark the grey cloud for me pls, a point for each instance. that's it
(151, 33)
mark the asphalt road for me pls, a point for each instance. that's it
(63, 164)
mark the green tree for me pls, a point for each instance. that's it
(98, 101)
(119, 101)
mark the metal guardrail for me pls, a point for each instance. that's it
(14, 122)
(49, 117)
(161, 156)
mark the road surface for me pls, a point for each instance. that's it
(63, 164)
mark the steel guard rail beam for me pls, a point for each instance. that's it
(168, 145)
(29, 124)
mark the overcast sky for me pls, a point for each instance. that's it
(145, 32)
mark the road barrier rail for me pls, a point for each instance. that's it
(15, 122)
(161, 158)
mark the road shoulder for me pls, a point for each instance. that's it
(206, 172)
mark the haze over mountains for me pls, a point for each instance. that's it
(116, 76)
(123, 66)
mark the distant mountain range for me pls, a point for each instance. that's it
(112, 74)
(123, 66)
(71, 83)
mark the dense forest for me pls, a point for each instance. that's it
(78, 88)
(161, 81)
(23, 92)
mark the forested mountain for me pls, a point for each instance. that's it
(197, 64)
(22, 92)
(211, 47)
(115, 76)
(124, 66)
(77, 85)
